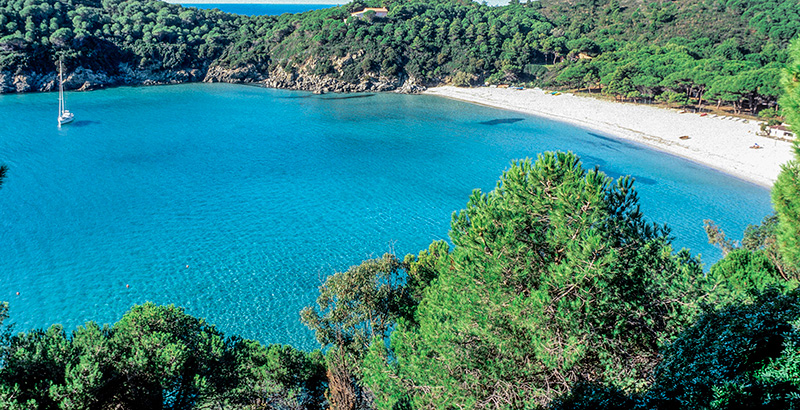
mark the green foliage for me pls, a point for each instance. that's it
(103, 35)
(718, 238)
(790, 100)
(743, 271)
(167, 354)
(61, 37)
(645, 52)
(763, 237)
(757, 264)
(3, 308)
(639, 53)
(736, 357)
(154, 357)
(359, 304)
(34, 362)
(461, 79)
(423, 269)
(673, 98)
(275, 375)
(356, 307)
(586, 396)
(786, 192)
(771, 115)
(782, 375)
(555, 276)
(786, 200)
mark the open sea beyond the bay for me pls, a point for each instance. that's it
(236, 202)
(251, 9)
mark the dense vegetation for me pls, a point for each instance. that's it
(680, 52)
(786, 193)
(557, 293)
(154, 357)
(558, 278)
(101, 35)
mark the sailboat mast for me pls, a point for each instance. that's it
(64, 116)
(60, 88)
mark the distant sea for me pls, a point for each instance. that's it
(260, 9)
(236, 202)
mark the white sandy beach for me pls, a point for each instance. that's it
(723, 144)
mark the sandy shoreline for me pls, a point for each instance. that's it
(722, 144)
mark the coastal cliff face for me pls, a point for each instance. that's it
(84, 79)
(306, 81)
(304, 77)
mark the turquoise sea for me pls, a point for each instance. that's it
(246, 9)
(237, 201)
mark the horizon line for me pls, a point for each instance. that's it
(325, 2)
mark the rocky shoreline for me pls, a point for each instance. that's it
(83, 79)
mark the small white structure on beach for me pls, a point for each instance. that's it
(780, 131)
(379, 12)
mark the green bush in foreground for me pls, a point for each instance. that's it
(786, 200)
(588, 396)
(555, 277)
(790, 100)
(741, 272)
(743, 356)
(154, 357)
(786, 192)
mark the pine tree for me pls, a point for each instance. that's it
(555, 277)
(786, 192)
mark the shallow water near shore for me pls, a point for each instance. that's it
(235, 202)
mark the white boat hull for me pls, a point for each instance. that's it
(65, 118)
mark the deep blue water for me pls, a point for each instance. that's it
(259, 9)
(235, 202)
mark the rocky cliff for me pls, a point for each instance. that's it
(85, 79)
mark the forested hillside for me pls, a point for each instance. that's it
(681, 52)
(557, 291)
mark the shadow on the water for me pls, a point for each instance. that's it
(347, 97)
(501, 121)
(604, 138)
(591, 162)
(298, 96)
(639, 180)
(83, 123)
(614, 141)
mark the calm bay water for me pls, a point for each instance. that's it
(235, 202)
(247, 9)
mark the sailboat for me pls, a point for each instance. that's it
(64, 116)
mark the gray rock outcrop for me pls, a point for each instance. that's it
(84, 79)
